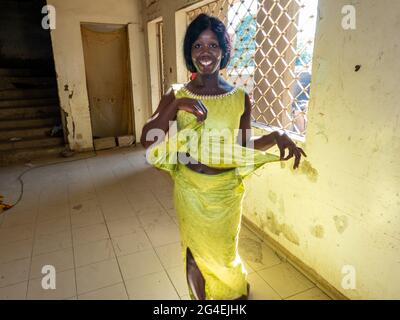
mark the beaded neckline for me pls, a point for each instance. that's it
(208, 96)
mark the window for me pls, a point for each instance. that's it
(273, 44)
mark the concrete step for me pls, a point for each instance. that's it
(33, 142)
(24, 72)
(27, 82)
(15, 94)
(23, 123)
(28, 102)
(27, 154)
(29, 112)
(24, 133)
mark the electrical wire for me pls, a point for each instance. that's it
(21, 181)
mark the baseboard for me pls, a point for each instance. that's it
(285, 255)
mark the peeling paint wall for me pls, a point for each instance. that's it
(70, 67)
(342, 206)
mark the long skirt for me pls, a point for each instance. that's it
(209, 211)
(208, 208)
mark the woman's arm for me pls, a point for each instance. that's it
(267, 141)
(262, 143)
(166, 112)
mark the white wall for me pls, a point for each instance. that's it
(69, 61)
(342, 207)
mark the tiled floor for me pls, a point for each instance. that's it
(108, 226)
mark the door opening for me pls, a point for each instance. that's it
(109, 88)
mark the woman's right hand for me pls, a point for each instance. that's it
(193, 106)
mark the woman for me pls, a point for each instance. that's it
(208, 188)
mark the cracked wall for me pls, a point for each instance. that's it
(342, 206)
(70, 67)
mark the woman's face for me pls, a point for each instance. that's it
(206, 53)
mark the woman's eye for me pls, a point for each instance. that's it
(214, 45)
(196, 46)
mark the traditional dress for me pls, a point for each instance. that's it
(209, 207)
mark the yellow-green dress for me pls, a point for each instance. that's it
(209, 207)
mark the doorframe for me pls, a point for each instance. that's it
(154, 62)
(129, 67)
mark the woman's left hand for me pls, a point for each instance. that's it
(284, 142)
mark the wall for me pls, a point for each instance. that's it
(341, 208)
(70, 67)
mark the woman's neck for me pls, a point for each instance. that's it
(210, 83)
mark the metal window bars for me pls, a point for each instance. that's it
(272, 54)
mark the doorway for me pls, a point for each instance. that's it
(107, 65)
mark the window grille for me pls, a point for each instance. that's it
(273, 44)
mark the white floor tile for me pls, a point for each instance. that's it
(123, 226)
(171, 255)
(311, 294)
(97, 275)
(14, 272)
(52, 242)
(65, 287)
(131, 243)
(61, 260)
(114, 292)
(93, 252)
(89, 234)
(15, 250)
(14, 292)
(285, 280)
(260, 290)
(139, 264)
(155, 286)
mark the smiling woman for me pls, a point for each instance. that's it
(208, 186)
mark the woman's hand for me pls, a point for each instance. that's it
(284, 142)
(193, 106)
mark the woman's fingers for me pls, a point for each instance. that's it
(291, 150)
(201, 110)
(282, 152)
(302, 151)
(297, 157)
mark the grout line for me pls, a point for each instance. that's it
(300, 292)
(33, 245)
(144, 230)
(108, 231)
(72, 240)
(108, 286)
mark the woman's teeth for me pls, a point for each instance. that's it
(205, 63)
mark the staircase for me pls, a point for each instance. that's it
(29, 115)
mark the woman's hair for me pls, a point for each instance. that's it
(197, 26)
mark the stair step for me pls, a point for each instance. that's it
(27, 82)
(24, 72)
(32, 142)
(14, 124)
(24, 133)
(15, 94)
(27, 154)
(28, 112)
(28, 102)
